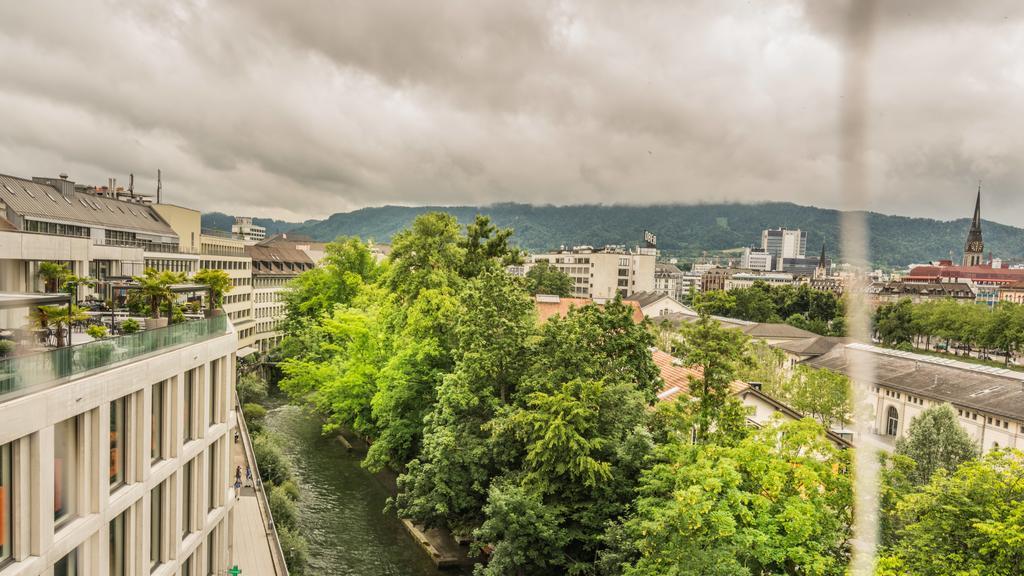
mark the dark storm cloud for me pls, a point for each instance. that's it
(302, 109)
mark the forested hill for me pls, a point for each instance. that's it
(686, 230)
(220, 221)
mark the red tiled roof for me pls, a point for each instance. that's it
(546, 310)
(677, 377)
(978, 273)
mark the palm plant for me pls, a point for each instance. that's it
(217, 281)
(57, 317)
(155, 287)
(53, 275)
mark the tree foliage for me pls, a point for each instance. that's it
(969, 522)
(778, 502)
(801, 306)
(935, 441)
(543, 278)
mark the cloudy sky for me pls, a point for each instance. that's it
(301, 109)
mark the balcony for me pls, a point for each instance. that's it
(21, 375)
(146, 246)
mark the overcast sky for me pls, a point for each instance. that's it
(300, 109)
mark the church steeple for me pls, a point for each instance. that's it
(975, 246)
(822, 269)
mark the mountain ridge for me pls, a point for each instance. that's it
(684, 230)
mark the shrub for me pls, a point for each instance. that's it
(97, 331)
(295, 548)
(251, 388)
(254, 415)
(282, 508)
(290, 489)
(130, 326)
(6, 348)
(270, 460)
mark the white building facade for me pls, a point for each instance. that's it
(603, 273)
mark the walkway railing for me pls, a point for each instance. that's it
(23, 374)
(280, 566)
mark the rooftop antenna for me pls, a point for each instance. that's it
(159, 186)
(131, 185)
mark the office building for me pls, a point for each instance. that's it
(757, 259)
(601, 273)
(784, 243)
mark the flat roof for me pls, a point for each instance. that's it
(10, 300)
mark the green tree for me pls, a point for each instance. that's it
(821, 394)
(894, 323)
(447, 484)
(778, 502)
(347, 266)
(934, 441)
(715, 303)
(718, 353)
(155, 288)
(486, 245)
(218, 282)
(53, 275)
(543, 278)
(969, 522)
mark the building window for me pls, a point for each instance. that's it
(68, 565)
(65, 471)
(156, 509)
(187, 479)
(117, 547)
(186, 567)
(188, 405)
(118, 442)
(211, 464)
(214, 381)
(211, 553)
(156, 440)
(5, 504)
(892, 424)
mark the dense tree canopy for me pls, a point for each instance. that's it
(935, 441)
(801, 306)
(543, 278)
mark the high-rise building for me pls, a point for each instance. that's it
(601, 273)
(784, 243)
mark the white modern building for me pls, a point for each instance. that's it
(747, 279)
(115, 456)
(756, 259)
(784, 243)
(246, 230)
(602, 273)
(273, 266)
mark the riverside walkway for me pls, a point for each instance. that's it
(253, 540)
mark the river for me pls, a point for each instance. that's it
(341, 509)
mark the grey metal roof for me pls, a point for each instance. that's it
(26, 299)
(646, 298)
(992, 390)
(41, 202)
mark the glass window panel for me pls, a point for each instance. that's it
(212, 466)
(65, 470)
(117, 546)
(187, 478)
(156, 503)
(187, 410)
(68, 565)
(118, 430)
(156, 439)
(5, 503)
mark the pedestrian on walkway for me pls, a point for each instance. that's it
(238, 474)
(248, 475)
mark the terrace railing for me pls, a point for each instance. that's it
(23, 374)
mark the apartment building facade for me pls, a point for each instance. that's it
(120, 470)
(603, 273)
(273, 266)
(246, 230)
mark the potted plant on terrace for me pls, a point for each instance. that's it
(155, 288)
(219, 284)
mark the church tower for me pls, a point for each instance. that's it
(822, 270)
(974, 247)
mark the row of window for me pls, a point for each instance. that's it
(270, 282)
(171, 264)
(56, 229)
(224, 264)
(261, 297)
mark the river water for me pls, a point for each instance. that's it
(341, 509)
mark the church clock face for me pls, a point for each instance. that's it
(975, 246)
